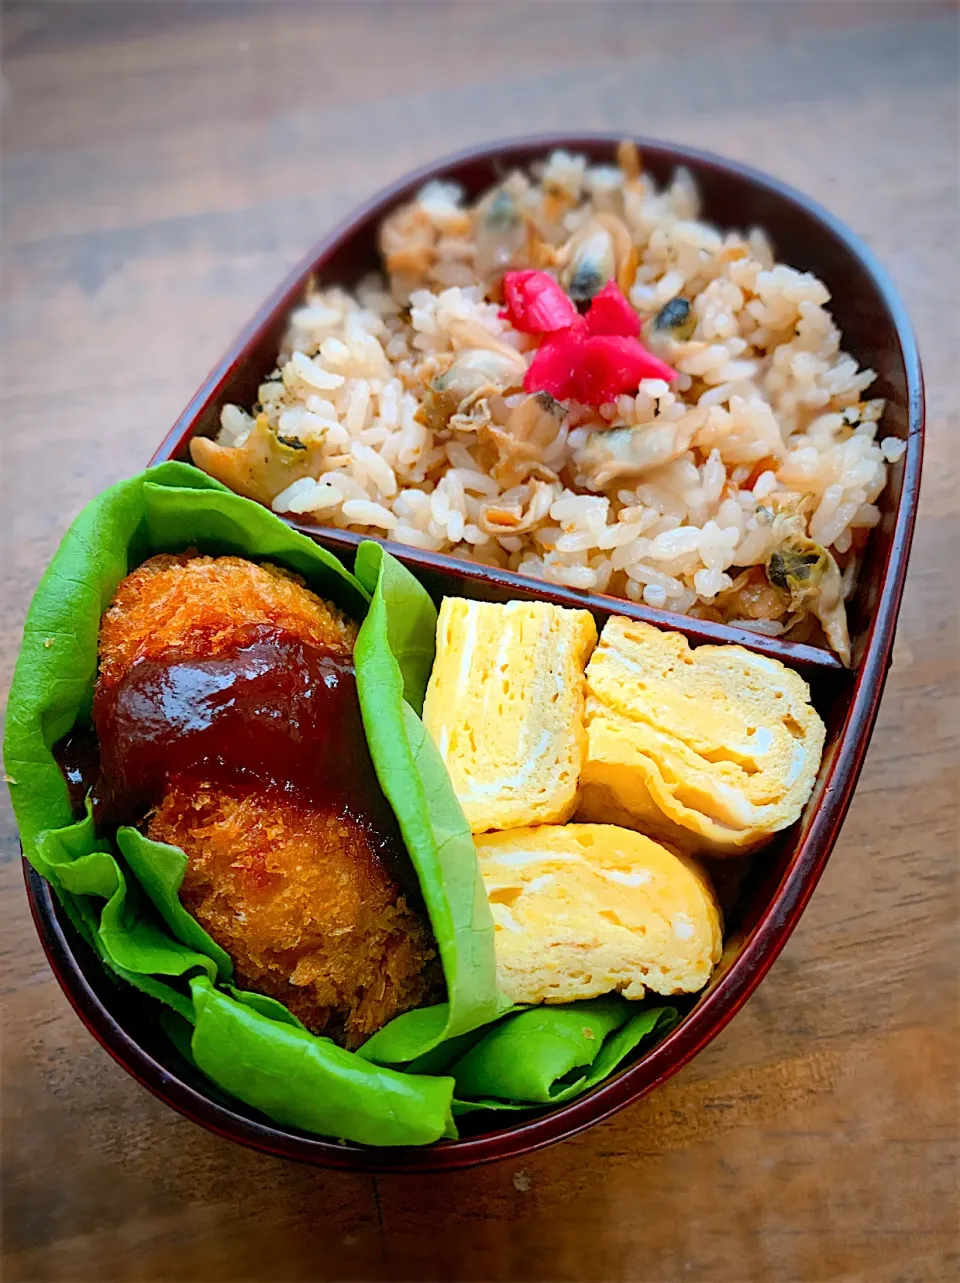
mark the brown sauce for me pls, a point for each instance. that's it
(274, 714)
(78, 757)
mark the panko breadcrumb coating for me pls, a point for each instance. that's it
(293, 886)
(299, 900)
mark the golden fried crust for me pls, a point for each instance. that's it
(301, 903)
(204, 605)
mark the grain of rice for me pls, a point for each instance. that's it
(334, 351)
(364, 513)
(645, 574)
(308, 372)
(416, 538)
(767, 627)
(892, 449)
(709, 582)
(308, 495)
(234, 424)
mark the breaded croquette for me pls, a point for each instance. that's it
(228, 718)
(299, 900)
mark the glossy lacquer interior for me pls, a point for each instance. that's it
(763, 896)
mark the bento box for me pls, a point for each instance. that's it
(763, 891)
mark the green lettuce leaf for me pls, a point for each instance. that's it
(311, 1083)
(268, 1007)
(159, 869)
(401, 620)
(394, 655)
(123, 932)
(549, 1055)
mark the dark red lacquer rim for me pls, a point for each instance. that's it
(817, 833)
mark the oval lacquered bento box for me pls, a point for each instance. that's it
(778, 882)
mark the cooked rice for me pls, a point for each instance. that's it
(767, 412)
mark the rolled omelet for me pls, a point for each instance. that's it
(713, 749)
(505, 708)
(586, 909)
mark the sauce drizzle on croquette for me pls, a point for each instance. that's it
(273, 712)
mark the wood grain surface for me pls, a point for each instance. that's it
(163, 166)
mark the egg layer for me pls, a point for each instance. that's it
(586, 909)
(505, 707)
(714, 749)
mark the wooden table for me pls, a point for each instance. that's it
(164, 164)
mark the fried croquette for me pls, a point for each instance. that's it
(202, 607)
(299, 882)
(299, 900)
